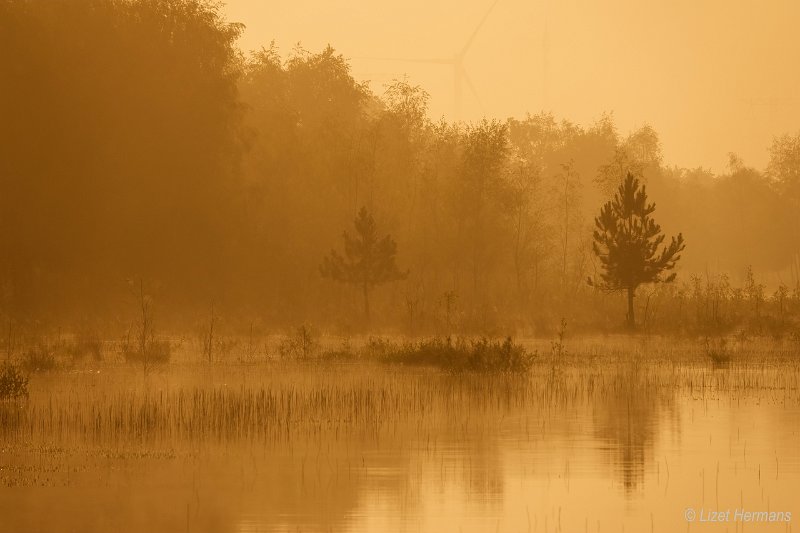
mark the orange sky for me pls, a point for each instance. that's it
(712, 77)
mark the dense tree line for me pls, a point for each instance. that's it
(137, 142)
(119, 150)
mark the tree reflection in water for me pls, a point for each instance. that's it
(628, 419)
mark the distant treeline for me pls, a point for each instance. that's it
(138, 143)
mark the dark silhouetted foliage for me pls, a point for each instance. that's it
(13, 383)
(368, 259)
(627, 241)
(462, 355)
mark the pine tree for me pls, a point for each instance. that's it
(367, 260)
(627, 242)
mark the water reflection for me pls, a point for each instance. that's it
(632, 457)
(627, 427)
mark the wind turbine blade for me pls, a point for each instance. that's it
(409, 60)
(472, 90)
(477, 29)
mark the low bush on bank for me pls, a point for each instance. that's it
(158, 352)
(302, 343)
(717, 351)
(39, 358)
(86, 343)
(13, 383)
(482, 355)
(462, 355)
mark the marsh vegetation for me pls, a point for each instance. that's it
(291, 440)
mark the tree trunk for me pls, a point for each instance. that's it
(366, 302)
(631, 319)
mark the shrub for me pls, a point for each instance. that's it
(86, 342)
(558, 353)
(343, 352)
(40, 358)
(301, 344)
(557, 346)
(13, 383)
(461, 355)
(499, 356)
(90, 344)
(718, 351)
(378, 348)
(795, 338)
(158, 352)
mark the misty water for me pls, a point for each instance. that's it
(588, 471)
(599, 455)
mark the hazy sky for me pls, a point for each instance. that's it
(710, 76)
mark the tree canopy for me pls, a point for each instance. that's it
(627, 241)
(138, 141)
(368, 259)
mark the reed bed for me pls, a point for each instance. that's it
(278, 401)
